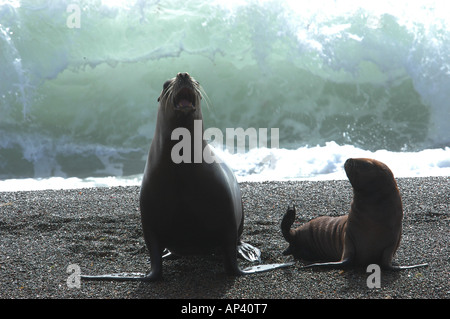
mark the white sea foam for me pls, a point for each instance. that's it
(266, 164)
(327, 162)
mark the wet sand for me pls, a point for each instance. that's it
(98, 229)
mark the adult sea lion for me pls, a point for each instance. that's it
(369, 234)
(193, 206)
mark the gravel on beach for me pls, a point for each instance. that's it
(99, 229)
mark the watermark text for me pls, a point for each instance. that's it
(74, 280)
(190, 148)
(374, 280)
(73, 21)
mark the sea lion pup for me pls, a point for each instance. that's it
(189, 206)
(369, 234)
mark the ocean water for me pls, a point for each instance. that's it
(339, 79)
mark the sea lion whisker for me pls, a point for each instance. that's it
(203, 94)
(166, 91)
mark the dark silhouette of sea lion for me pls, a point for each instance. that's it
(369, 234)
(193, 206)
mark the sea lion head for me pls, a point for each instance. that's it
(181, 97)
(368, 176)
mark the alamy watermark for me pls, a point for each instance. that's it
(73, 21)
(74, 279)
(182, 151)
(374, 280)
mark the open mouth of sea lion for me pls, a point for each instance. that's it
(185, 99)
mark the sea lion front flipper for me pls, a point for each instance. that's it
(335, 264)
(396, 268)
(154, 274)
(249, 252)
(386, 261)
(123, 276)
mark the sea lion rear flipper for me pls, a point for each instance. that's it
(264, 268)
(168, 255)
(286, 223)
(249, 252)
(232, 267)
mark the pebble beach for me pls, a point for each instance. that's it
(99, 231)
